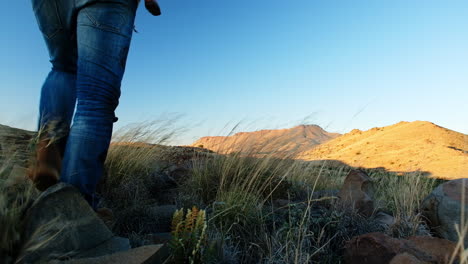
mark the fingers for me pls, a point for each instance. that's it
(153, 7)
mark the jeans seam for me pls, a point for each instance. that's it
(106, 29)
(91, 18)
(60, 27)
(96, 24)
(57, 16)
(100, 50)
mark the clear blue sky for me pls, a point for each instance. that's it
(348, 64)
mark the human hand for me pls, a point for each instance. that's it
(153, 7)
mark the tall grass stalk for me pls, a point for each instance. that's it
(238, 184)
(135, 147)
(16, 194)
(403, 195)
(460, 253)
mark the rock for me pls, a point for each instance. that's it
(384, 219)
(6, 259)
(379, 248)
(160, 238)
(162, 214)
(145, 254)
(440, 249)
(357, 193)
(406, 258)
(115, 244)
(371, 248)
(443, 206)
(177, 173)
(60, 224)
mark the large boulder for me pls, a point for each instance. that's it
(441, 250)
(372, 248)
(384, 219)
(406, 258)
(357, 192)
(378, 248)
(443, 208)
(162, 215)
(152, 254)
(61, 225)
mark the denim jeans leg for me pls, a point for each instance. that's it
(104, 31)
(58, 93)
(57, 103)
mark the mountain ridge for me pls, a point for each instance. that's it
(268, 141)
(404, 146)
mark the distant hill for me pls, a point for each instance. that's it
(406, 146)
(403, 147)
(14, 145)
(279, 142)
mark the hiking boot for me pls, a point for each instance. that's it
(45, 171)
(106, 215)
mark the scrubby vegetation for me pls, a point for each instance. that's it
(13, 201)
(259, 210)
(247, 209)
(16, 193)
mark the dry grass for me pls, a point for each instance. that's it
(460, 255)
(241, 194)
(16, 194)
(402, 196)
(13, 202)
(136, 146)
(239, 190)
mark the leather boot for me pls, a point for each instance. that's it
(106, 215)
(45, 171)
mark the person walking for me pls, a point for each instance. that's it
(88, 42)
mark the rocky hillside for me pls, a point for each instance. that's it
(403, 147)
(356, 217)
(14, 144)
(279, 142)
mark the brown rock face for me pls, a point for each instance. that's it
(357, 192)
(443, 207)
(378, 248)
(278, 142)
(372, 248)
(440, 249)
(406, 258)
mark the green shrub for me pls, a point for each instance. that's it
(189, 243)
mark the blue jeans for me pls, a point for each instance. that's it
(88, 43)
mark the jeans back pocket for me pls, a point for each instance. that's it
(107, 17)
(48, 17)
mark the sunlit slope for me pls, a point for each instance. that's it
(279, 142)
(406, 146)
(14, 145)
